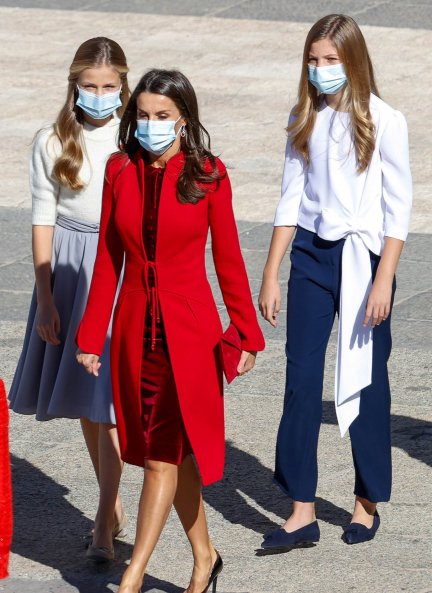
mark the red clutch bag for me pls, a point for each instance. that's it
(230, 347)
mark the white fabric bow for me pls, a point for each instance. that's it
(354, 351)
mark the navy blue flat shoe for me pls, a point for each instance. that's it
(281, 539)
(356, 533)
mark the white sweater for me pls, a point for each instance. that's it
(49, 198)
(329, 197)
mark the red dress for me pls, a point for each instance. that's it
(164, 433)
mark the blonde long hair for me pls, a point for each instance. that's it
(344, 32)
(99, 51)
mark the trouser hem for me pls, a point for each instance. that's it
(292, 495)
(374, 499)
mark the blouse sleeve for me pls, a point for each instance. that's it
(396, 177)
(230, 267)
(44, 188)
(293, 183)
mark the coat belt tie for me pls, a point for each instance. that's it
(354, 349)
(152, 298)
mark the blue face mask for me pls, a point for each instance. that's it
(156, 136)
(98, 106)
(327, 79)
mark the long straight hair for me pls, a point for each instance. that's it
(350, 44)
(200, 166)
(93, 53)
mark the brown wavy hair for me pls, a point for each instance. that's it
(350, 44)
(200, 165)
(93, 53)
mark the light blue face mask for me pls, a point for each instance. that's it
(156, 136)
(98, 106)
(327, 79)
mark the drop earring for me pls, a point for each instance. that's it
(183, 131)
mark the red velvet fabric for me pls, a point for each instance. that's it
(190, 316)
(153, 184)
(165, 437)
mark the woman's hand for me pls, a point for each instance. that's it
(269, 300)
(247, 362)
(379, 302)
(89, 361)
(48, 322)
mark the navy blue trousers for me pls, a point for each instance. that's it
(313, 301)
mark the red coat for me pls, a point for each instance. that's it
(191, 320)
(5, 486)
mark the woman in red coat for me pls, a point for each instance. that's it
(162, 193)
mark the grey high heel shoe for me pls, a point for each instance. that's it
(120, 530)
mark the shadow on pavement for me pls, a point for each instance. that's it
(246, 478)
(49, 530)
(152, 584)
(409, 434)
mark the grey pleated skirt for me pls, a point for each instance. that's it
(48, 381)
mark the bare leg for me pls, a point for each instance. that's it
(157, 496)
(189, 505)
(363, 512)
(303, 514)
(102, 445)
(110, 469)
(91, 436)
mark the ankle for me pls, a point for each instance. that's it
(119, 512)
(303, 511)
(133, 575)
(103, 528)
(212, 549)
(365, 505)
(301, 516)
(204, 557)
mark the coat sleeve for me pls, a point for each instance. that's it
(230, 267)
(93, 328)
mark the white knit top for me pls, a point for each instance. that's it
(49, 198)
(329, 197)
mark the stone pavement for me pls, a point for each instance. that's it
(245, 71)
(386, 13)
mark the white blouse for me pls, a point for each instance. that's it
(329, 197)
(49, 197)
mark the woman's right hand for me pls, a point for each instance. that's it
(48, 323)
(269, 300)
(89, 361)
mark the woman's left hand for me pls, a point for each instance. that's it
(247, 362)
(379, 303)
(89, 361)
